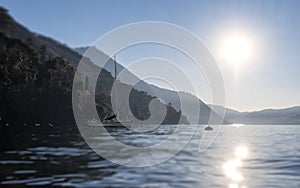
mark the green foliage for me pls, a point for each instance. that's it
(35, 88)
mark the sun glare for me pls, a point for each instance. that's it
(236, 49)
(241, 152)
(232, 167)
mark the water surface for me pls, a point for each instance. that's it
(242, 156)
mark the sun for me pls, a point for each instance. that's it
(236, 49)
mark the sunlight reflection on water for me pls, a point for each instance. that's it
(264, 155)
(237, 125)
(231, 167)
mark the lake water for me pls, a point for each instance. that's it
(241, 157)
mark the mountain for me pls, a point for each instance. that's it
(13, 29)
(229, 113)
(268, 116)
(36, 80)
(169, 97)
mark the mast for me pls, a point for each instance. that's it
(115, 65)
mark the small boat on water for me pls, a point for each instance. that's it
(110, 121)
(208, 128)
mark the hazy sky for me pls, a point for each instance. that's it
(268, 79)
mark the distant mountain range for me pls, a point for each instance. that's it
(268, 116)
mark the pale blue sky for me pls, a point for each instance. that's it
(270, 80)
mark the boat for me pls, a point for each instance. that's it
(111, 121)
(208, 128)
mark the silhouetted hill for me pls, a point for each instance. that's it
(13, 29)
(167, 96)
(37, 75)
